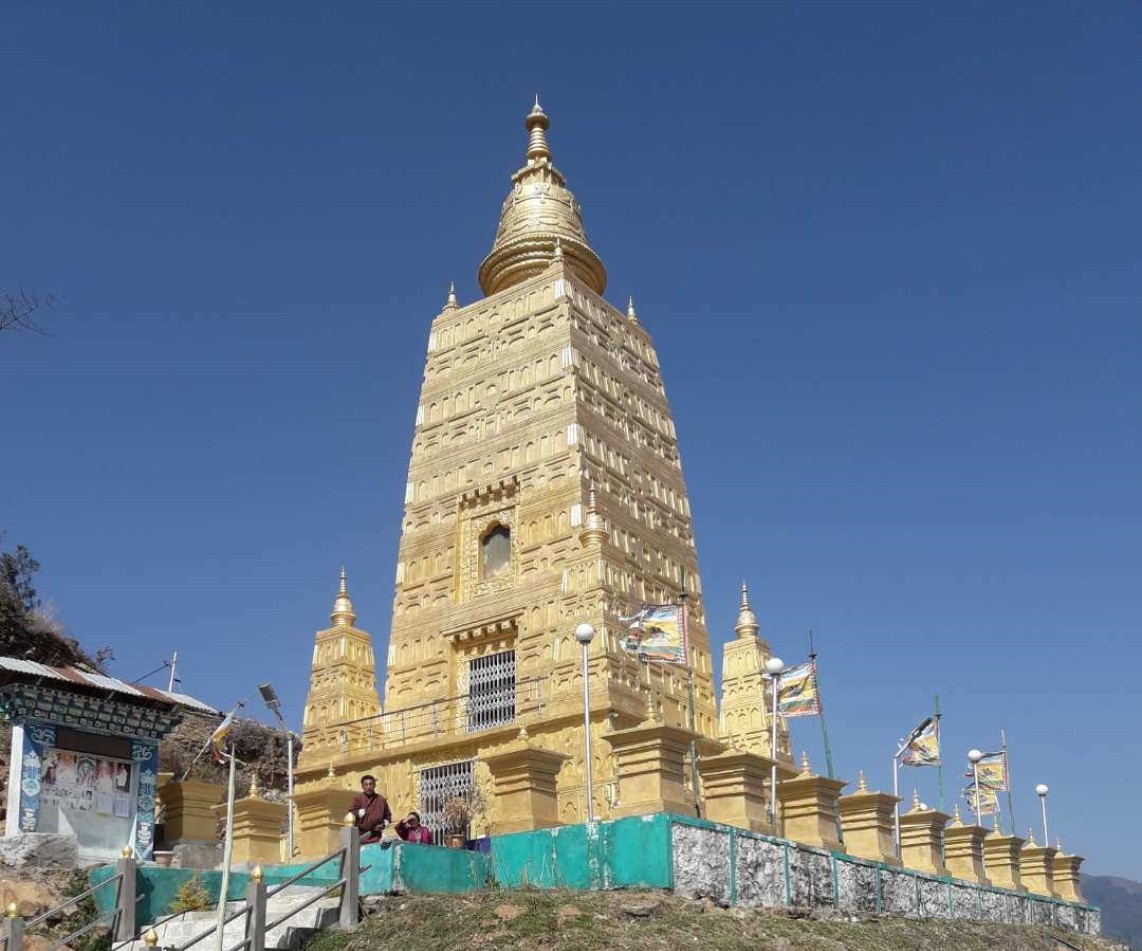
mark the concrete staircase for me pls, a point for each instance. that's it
(288, 936)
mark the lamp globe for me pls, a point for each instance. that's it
(584, 633)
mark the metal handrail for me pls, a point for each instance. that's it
(32, 922)
(113, 913)
(305, 871)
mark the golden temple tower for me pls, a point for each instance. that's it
(343, 678)
(544, 489)
(746, 715)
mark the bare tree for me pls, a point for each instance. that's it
(18, 311)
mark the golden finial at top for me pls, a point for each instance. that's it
(1058, 845)
(632, 314)
(1031, 837)
(13, 910)
(537, 124)
(150, 939)
(451, 303)
(957, 819)
(998, 828)
(862, 784)
(343, 615)
(539, 211)
(254, 792)
(917, 805)
(746, 625)
(127, 852)
(257, 876)
(806, 769)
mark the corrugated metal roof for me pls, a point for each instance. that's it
(101, 682)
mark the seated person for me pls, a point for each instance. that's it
(410, 829)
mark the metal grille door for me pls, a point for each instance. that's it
(491, 690)
(437, 785)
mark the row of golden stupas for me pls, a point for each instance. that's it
(545, 490)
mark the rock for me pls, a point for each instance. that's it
(31, 898)
(508, 912)
(643, 909)
(201, 855)
(39, 850)
(372, 905)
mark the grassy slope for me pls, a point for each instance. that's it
(595, 921)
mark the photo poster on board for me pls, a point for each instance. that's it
(86, 782)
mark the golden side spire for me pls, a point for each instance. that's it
(451, 303)
(343, 615)
(539, 212)
(747, 625)
(632, 315)
(594, 529)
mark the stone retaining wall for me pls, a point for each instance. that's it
(743, 868)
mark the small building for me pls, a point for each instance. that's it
(85, 755)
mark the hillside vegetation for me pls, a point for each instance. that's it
(644, 921)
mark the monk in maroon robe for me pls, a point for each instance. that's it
(371, 810)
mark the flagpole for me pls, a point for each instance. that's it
(1007, 770)
(821, 710)
(824, 728)
(228, 849)
(940, 765)
(896, 794)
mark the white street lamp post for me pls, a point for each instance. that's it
(584, 634)
(773, 667)
(269, 695)
(1041, 791)
(974, 756)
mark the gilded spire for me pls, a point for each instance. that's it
(862, 783)
(632, 314)
(537, 124)
(539, 213)
(998, 827)
(343, 615)
(957, 819)
(747, 625)
(451, 303)
(917, 805)
(806, 769)
(1031, 838)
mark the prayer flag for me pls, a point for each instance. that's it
(658, 632)
(218, 737)
(923, 747)
(992, 771)
(799, 696)
(988, 800)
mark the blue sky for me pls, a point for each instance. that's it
(888, 254)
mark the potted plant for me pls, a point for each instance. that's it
(456, 815)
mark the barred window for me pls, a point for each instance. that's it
(491, 690)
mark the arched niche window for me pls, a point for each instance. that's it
(495, 552)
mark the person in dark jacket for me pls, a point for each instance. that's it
(371, 811)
